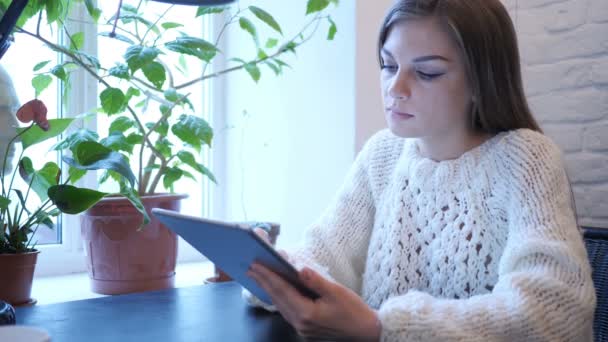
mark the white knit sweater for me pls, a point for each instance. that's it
(484, 247)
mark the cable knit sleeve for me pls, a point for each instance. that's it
(544, 290)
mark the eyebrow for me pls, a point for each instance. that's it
(418, 59)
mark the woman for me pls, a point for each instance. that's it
(456, 224)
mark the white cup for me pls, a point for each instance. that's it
(21, 333)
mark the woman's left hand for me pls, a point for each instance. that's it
(337, 313)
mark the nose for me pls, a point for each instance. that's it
(400, 86)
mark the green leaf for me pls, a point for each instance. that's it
(90, 155)
(22, 200)
(116, 141)
(132, 196)
(170, 25)
(196, 47)
(163, 145)
(276, 69)
(162, 128)
(316, 6)
(155, 73)
(40, 65)
(193, 131)
(43, 218)
(266, 17)
(121, 124)
(77, 41)
(171, 95)
(35, 134)
(135, 139)
(120, 71)
(90, 58)
(254, 71)
(202, 10)
(59, 72)
(75, 138)
(188, 159)
(32, 9)
(281, 63)
(72, 200)
(40, 180)
(41, 82)
(117, 36)
(94, 12)
(53, 11)
(4, 203)
(128, 8)
(262, 54)
(172, 175)
(75, 174)
(272, 42)
(112, 100)
(332, 29)
(132, 92)
(248, 26)
(138, 56)
(291, 46)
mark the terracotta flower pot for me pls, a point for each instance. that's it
(17, 272)
(121, 259)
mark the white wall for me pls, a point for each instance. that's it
(369, 112)
(564, 47)
(287, 157)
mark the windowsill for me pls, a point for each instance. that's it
(56, 289)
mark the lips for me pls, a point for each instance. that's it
(399, 114)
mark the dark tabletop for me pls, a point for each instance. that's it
(214, 312)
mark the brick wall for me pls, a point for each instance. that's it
(564, 48)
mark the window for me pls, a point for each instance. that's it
(62, 250)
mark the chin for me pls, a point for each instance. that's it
(402, 131)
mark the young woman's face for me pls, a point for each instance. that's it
(424, 85)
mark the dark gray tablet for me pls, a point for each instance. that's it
(233, 248)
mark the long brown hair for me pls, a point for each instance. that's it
(485, 35)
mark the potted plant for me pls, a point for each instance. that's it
(153, 122)
(20, 216)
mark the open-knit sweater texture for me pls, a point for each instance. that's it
(484, 247)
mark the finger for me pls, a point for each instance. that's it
(317, 282)
(280, 302)
(262, 234)
(281, 288)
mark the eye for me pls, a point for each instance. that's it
(427, 76)
(389, 67)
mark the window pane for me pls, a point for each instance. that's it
(19, 62)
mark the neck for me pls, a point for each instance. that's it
(450, 147)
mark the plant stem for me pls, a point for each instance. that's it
(164, 162)
(7, 193)
(113, 32)
(156, 22)
(279, 52)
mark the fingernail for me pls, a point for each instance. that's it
(306, 274)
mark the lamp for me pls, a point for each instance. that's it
(16, 7)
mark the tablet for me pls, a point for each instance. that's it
(232, 247)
